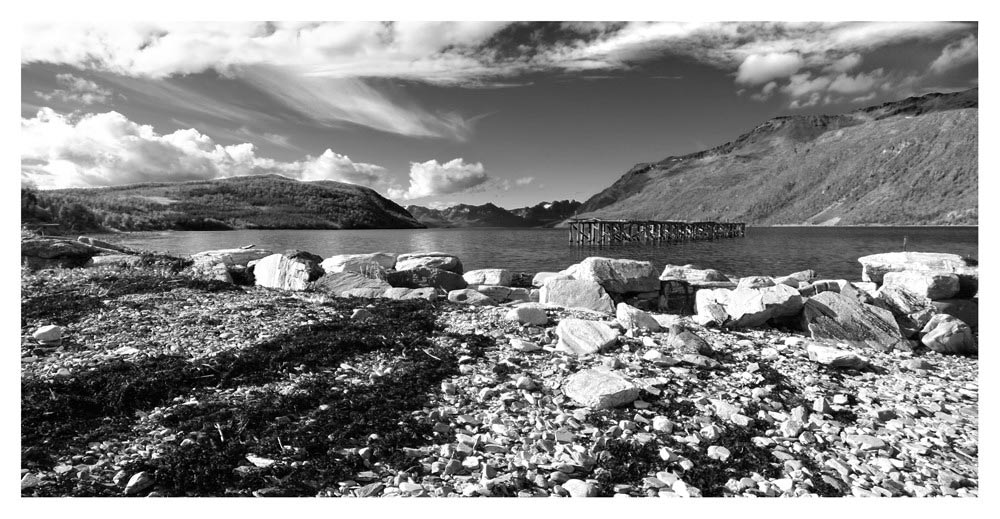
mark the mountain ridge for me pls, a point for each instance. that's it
(818, 160)
(543, 214)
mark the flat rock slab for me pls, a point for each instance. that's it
(437, 260)
(838, 317)
(691, 274)
(338, 283)
(600, 389)
(501, 277)
(582, 337)
(359, 262)
(876, 266)
(576, 293)
(617, 275)
(930, 285)
(229, 256)
(429, 294)
(835, 357)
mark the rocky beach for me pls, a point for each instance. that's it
(248, 372)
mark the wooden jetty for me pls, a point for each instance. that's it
(616, 232)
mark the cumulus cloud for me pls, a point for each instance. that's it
(802, 85)
(845, 84)
(432, 178)
(77, 90)
(846, 63)
(956, 54)
(105, 149)
(757, 69)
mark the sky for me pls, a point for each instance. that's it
(439, 113)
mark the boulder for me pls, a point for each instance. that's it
(900, 300)
(286, 273)
(835, 357)
(876, 266)
(488, 277)
(749, 307)
(528, 313)
(365, 263)
(684, 341)
(119, 260)
(835, 316)
(825, 285)
(229, 256)
(435, 260)
(691, 274)
(39, 253)
(582, 337)
(930, 285)
(49, 334)
(576, 293)
(755, 282)
(339, 283)
(468, 296)
(793, 280)
(600, 389)
(946, 334)
(421, 277)
(634, 319)
(617, 276)
(966, 310)
(540, 278)
(427, 293)
(502, 294)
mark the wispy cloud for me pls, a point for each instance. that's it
(76, 90)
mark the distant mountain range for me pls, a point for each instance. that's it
(913, 161)
(251, 202)
(545, 214)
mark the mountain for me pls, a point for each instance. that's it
(547, 214)
(462, 215)
(906, 162)
(249, 202)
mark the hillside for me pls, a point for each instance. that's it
(907, 162)
(544, 214)
(252, 202)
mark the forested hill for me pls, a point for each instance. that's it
(251, 202)
(908, 162)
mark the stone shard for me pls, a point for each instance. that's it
(616, 276)
(501, 277)
(946, 334)
(582, 337)
(830, 315)
(423, 277)
(929, 285)
(835, 357)
(339, 283)
(576, 293)
(634, 319)
(365, 263)
(601, 389)
(437, 260)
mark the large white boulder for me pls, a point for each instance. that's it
(691, 274)
(229, 256)
(540, 278)
(436, 260)
(374, 262)
(748, 307)
(601, 389)
(930, 284)
(874, 267)
(488, 277)
(576, 293)
(528, 313)
(581, 337)
(280, 271)
(835, 357)
(616, 275)
(49, 333)
(946, 334)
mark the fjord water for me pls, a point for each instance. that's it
(831, 251)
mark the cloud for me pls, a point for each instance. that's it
(757, 69)
(845, 64)
(802, 85)
(77, 90)
(844, 84)
(956, 54)
(432, 178)
(523, 181)
(106, 149)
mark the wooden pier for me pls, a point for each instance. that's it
(617, 232)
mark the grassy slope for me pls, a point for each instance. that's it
(855, 169)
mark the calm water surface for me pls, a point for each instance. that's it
(830, 251)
